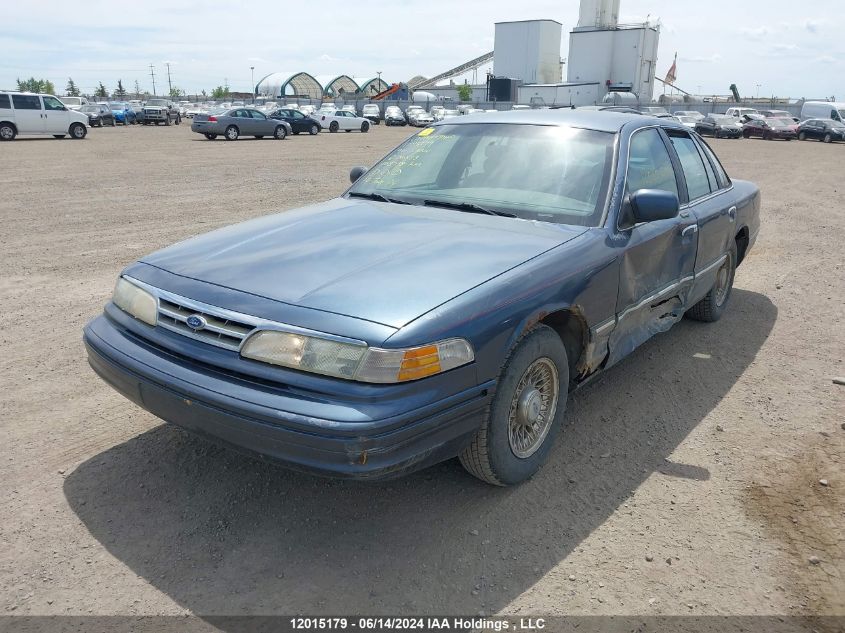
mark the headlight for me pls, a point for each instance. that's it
(137, 302)
(356, 362)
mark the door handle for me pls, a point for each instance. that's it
(692, 229)
(732, 213)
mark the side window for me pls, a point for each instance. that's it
(298, 115)
(5, 102)
(695, 174)
(26, 102)
(721, 175)
(649, 165)
(51, 103)
(257, 115)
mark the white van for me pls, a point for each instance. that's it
(741, 112)
(74, 103)
(28, 113)
(823, 110)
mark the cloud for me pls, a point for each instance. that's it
(758, 32)
(710, 59)
(812, 26)
(825, 59)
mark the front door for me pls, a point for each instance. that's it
(656, 267)
(56, 117)
(29, 117)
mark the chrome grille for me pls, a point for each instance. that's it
(217, 329)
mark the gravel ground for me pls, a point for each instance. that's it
(686, 482)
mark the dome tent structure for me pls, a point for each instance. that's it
(337, 85)
(299, 84)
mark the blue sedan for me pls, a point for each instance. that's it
(445, 305)
(123, 113)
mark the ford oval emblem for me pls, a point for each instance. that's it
(196, 322)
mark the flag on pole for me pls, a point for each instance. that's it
(672, 74)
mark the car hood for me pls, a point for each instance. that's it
(385, 263)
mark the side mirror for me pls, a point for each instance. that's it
(648, 205)
(356, 173)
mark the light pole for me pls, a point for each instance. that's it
(758, 91)
(378, 72)
(252, 78)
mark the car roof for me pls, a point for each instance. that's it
(600, 120)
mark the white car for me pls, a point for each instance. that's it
(307, 110)
(692, 113)
(74, 103)
(371, 112)
(437, 112)
(349, 108)
(28, 113)
(740, 113)
(420, 118)
(194, 110)
(342, 120)
(687, 121)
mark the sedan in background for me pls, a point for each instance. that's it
(695, 114)
(372, 113)
(719, 126)
(237, 122)
(770, 129)
(393, 115)
(98, 115)
(123, 113)
(780, 114)
(343, 120)
(420, 118)
(298, 122)
(826, 130)
(688, 121)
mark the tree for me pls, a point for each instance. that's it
(36, 85)
(120, 92)
(176, 92)
(101, 91)
(465, 92)
(220, 92)
(71, 90)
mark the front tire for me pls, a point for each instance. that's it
(78, 131)
(828, 138)
(7, 132)
(713, 305)
(280, 133)
(232, 133)
(365, 127)
(802, 136)
(113, 123)
(525, 414)
(314, 130)
(210, 137)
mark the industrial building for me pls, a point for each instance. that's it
(304, 85)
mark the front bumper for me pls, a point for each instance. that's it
(254, 416)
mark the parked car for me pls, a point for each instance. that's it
(437, 112)
(307, 110)
(770, 129)
(688, 121)
(74, 103)
(343, 120)
(657, 111)
(350, 108)
(371, 112)
(826, 130)
(420, 118)
(195, 109)
(738, 113)
(297, 121)
(832, 110)
(237, 122)
(440, 311)
(719, 126)
(26, 113)
(393, 115)
(98, 115)
(123, 113)
(695, 114)
(779, 114)
(161, 111)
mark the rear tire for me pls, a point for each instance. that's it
(802, 136)
(77, 131)
(334, 127)
(210, 137)
(232, 133)
(828, 138)
(713, 305)
(314, 130)
(113, 122)
(526, 412)
(280, 133)
(365, 127)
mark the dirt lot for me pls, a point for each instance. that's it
(685, 483)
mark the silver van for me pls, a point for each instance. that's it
(38, 114)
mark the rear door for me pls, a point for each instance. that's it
(656, 270)
(56, 117)
(29, 116)
(712, 206)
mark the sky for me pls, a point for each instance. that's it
(766, 47)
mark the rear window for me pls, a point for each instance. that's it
(26, 102)
(5, 102)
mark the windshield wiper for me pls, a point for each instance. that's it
(377, 196)
(469, 207)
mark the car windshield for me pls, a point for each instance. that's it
(836, 124)
(780, 122)
(546, 173)
(90, 109)
(156, 102)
